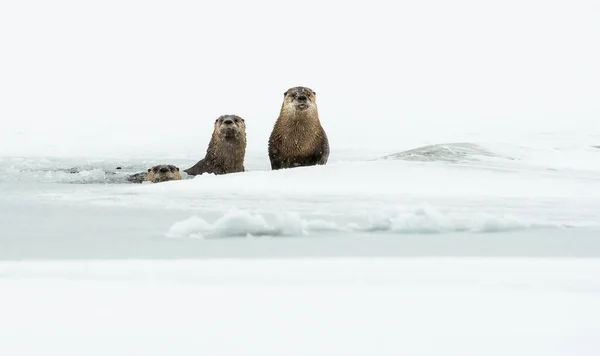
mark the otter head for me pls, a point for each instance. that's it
(299, 98)
(230, 126)
(163, 173)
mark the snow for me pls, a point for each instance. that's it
(460, 254)
(459, 212)
(296, 307)
(436, 189)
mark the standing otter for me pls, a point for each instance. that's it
(298, 139)
(226, 149)
(156, 174)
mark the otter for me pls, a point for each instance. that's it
(226, 149)
(298, 139)
(156, 174)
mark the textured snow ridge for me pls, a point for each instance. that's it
(424, 220)
(428, 219)
(244, 223)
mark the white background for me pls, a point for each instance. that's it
(124, 76)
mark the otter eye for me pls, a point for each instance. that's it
(237, 120)
(155, 169)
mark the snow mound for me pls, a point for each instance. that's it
(423, 220)
(243, 223)
(444, 152)
(428, 219)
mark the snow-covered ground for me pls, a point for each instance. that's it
(452, 249)
(459, 212)
(302, 307)
(539, 201)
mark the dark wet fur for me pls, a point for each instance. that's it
(225, 153)
(318, 157)
(298, 124)
(137, 177)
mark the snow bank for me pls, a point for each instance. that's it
(244, 223)
(424, 220)
(574, 161)
(388, 179)
(428, 219)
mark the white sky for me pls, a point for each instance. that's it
(119, 68)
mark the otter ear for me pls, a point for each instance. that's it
(149, 169)
(314, 92)
(242, 120)
(177, 168)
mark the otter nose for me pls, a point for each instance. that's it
(164, 169)
(228, 121)
(302, 97)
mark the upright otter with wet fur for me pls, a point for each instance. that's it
(226, 149)
(298, 139)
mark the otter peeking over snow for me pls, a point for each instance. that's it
(157, 174)
(298, 139)
(226, 149)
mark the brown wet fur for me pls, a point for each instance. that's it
(157, 174)
(298, 139)
(226, 149)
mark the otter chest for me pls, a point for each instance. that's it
(299, 138)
